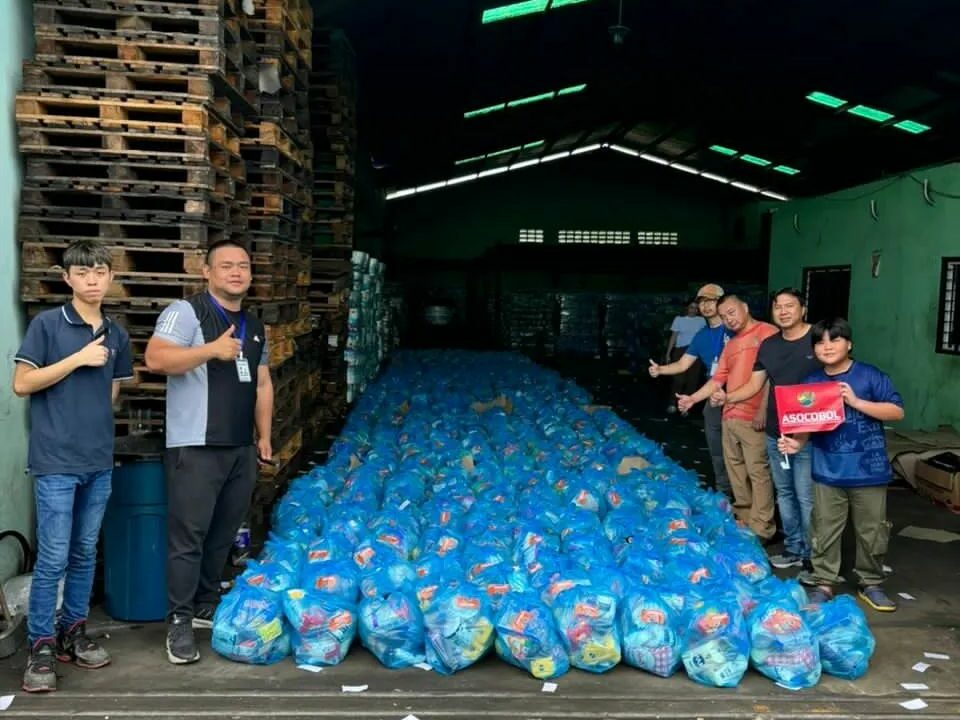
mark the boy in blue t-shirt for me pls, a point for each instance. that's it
(850, 468)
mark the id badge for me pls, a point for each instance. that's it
(713, 368)
(243, 370)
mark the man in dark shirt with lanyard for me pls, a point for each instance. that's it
(706, 347)
(218, 391)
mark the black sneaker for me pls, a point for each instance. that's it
(785, 560)
(203, 617)
(41, 673)
(74, 646)
(181, 648)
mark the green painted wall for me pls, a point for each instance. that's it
(894, 316)
(603, 191)
(16, 490)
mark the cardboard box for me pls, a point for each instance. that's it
(938, 478)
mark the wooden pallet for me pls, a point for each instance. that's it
(93, 81)
(270, 134)
(209, 8)
(158, 48)
(106, 176)
(90, 204)
(108, 144)
(121, 232)
(285, 456)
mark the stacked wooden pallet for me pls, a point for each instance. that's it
(130, 123)
(279, 155)
(333, 93)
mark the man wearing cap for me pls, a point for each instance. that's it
(706, 347)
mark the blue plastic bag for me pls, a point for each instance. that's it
(716, 644)
(339, 578)
(586, 618)
(650, 632)
(249, 626)
(843, 636)
(391, 628)
(782, 647)
(527, 637)
(322, 626)
(458, 629)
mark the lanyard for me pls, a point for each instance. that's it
(719, 343)
(241, 323)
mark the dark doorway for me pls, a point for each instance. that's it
(827, 292)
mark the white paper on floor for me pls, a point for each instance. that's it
(310, 668)
(354, 688)
(6, 701)
(917, 704)
(549, 687)
(931, 534)
(411, 717)
(424, 666)
(936, 656)
(887, 569)
(914, 686)
(921, 667)
(906, 596)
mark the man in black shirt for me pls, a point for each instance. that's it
(218, 391)
(786, 359)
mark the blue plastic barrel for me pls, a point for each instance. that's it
(135, 543)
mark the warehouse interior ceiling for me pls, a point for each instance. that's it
(796, 98)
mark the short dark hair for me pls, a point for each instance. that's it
(86, 253)
(727, 297)
(834, 327)
(788, 291)
(225, 243)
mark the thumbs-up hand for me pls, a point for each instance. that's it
(94, 353)
(654, 369)
(226, 347)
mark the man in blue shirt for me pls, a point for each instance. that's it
(70, 364)
(850, 469)
(706, 347)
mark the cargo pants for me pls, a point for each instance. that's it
(745, 456)
(867, 509)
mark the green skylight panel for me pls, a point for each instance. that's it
(869, 113)
(561, 3)
(572, 89)
(911, 127)
(505, 151)
(723, 150)
(531, 99)
(508, 12)
(485, 110)
(475, 158)
(786, 170)
(537, 143)
(824, 99)
(754, 160)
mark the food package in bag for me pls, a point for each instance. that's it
(459, 629)
(782, 646)
(322, 626)
(649, 630)
(249, 626)
(716, 645)
(527, 637)
(391, 628)
(843, 636)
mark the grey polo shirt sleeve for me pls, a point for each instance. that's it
(33, 349)
(123, 367)
(265, 353)
(178, 324)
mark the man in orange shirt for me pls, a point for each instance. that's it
(744, 443)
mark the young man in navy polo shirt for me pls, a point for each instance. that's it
(70, 364)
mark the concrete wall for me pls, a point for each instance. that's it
(16, 490)
(894, 316)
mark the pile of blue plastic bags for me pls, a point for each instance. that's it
(478, 503)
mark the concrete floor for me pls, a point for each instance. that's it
(141, 684)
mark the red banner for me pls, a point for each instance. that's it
(816, 407)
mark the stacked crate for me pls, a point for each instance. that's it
(279, 155)
(333, 93)
(130, 123)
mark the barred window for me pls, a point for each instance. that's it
(948, 325)
(528, 235)
(656, 237)
(594, 237)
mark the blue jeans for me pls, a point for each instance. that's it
(69, 512)
(794, 496)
